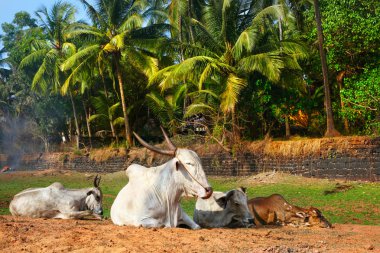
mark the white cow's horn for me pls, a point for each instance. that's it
(168, 141)
(157, 150)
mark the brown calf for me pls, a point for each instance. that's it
(275, 210)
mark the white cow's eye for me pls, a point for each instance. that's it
(189, 163)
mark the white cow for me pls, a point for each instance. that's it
(55, 201)
(151, 197)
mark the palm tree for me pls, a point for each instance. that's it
(106, 111)
(168, 108)
(330, 130)
(51, 53)
(231, 41)
(114, 45)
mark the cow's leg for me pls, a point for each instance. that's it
(77, 215)
(185, 219)
(46, 214)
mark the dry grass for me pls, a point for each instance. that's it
(307, 147)
(275, 177)
(101, 155)
(138, 155)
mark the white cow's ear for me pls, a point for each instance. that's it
(177, 163)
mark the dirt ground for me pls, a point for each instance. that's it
(42, 235)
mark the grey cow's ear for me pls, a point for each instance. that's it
(243, 189)
(222, 202)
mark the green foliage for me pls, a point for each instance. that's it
(352, 30)
(242, 66)
(362, 98)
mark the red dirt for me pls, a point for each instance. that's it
(41, 235)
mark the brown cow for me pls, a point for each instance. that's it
(275, 210)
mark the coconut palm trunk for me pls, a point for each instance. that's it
(77, 136)
(114, 135)
(128, 135)
(287, 124)
(330, 130)
(87, 114)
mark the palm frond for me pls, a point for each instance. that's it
(33, 58)
(113, 108)
(198, 108)
(247, 41)
(79, 57)
(119, 121)
(230, 96)
(268, 64)
(94, 117)
(69, 48)
(134, 21)
(187, 70)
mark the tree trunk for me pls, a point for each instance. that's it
(330, 130)
(70, 130)
(190, 25)
(77, 136)
(128, 135)
(339, 79)
(287, 127)
(87, 114)
(114, 135)
(180, 38)
(235, 128)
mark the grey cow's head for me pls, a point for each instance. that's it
(94, 199)
(188, 166)
(234, 202)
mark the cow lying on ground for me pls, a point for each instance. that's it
(55, 201)
(223, 210)
(275, 210)
(151, 197)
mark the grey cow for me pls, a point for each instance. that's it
(223, 210)
(55, 201)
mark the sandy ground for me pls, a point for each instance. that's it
(42, 235)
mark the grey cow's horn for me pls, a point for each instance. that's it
(97, 181)
(168, 141)
(150, 147)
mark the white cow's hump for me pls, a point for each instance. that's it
(57, 186)
(134, 170)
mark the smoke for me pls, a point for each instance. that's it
(18, 136)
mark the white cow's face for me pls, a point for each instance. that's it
(195, 181)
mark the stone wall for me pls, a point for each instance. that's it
(349, 158)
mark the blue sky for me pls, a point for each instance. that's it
(8, 8)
